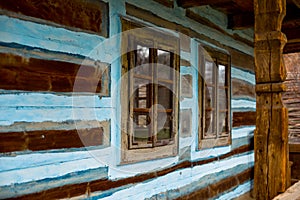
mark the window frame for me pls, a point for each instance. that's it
(206, 53)
(156, 40)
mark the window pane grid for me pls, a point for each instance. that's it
(149, 98)
(214, 103)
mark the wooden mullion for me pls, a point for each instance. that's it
(141, 110)
(165, 81)
(175, 64)
(216, 73)
(228, 85)
(131, 60)
(154, 98)
(203, 94)
(140, 76)
(200, 95)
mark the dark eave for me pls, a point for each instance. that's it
(240, 16)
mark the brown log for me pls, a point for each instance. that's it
(50, 139)
(244, 118)
(87, 15)
(34, 74)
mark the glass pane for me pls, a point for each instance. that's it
(223, 124)
(209, 72)
(222, 75)
(209, 112)
(142, 60)
(164, 69)
(141, 90)
(209, 126)
(223, 99)
(209, 97)
(164, 126)
(165, 95)
(141, 127)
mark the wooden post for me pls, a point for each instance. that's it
(271, 135)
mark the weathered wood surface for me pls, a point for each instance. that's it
(271, 135)
(85, 188)
(89, 15)
(224, 185)
(243, 118)
(242, 89)
(50, 139)
(34, 74)
(291, 97)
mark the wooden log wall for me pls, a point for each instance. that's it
(291, 99)
(57, 145)
(44, 127)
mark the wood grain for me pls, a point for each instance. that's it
(73, 190)
(243, 118)
(222, 186)
(89, 15)
(271, 135)
(242, 89)
(50, 139)
(34, 74)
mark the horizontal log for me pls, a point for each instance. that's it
(194, 16)
(71, 178)
(193, 3)
(294, 148)
(243, 118)
(34, 74)
(89, 15)
(295, 158)
(270, 87)
(102, 185)
(241, 89)
(50, 139)
(167, 3)
(224, 185)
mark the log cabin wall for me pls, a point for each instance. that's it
(59, 144)
(291, 99)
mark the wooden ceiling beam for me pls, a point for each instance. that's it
(291, 47)
(296, 2)
(292, 34)
(240, 21)
(194, 3)
(246, 20)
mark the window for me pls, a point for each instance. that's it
(149, 94)
(214, 98)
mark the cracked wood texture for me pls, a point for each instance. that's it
(271, 135)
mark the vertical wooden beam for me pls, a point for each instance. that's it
(271, 135)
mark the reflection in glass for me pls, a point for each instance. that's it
(222, 75)
(142, 60)
(141, 127)
(164, 69)
(165, 96)
(223, 124)
(209, 128)
(164, 124)
(209, 72)
(141, 91)
(223, 99)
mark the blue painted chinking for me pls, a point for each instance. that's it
(27, 172)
